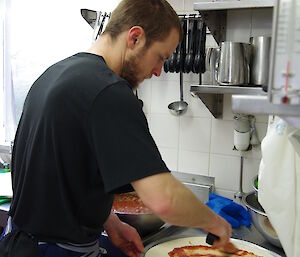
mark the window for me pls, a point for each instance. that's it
(42, 33)
(7, 118)
(1, 70)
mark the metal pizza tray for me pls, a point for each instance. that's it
(235, 241)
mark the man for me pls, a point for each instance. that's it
(83, 137)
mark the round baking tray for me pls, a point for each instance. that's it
(237, 242)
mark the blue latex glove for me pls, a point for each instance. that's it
(234, 213)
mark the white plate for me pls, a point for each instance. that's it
(162, 249)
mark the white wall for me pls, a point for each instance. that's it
(197, 142)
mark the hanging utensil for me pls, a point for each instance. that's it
(166, 66)
(196, 63)
(172, 60)
(199, 61)
(189, 58)
(179, 107)
(104, 22)
(181, 49)
(100, 25)
(202, 46)
(97, 26)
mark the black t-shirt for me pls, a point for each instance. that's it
(82, 137)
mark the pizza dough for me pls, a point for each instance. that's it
(208, 251)
(163, 249)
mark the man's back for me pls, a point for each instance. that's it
(56, 179)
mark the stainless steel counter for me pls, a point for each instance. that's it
(243, 233)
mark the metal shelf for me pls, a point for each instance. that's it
(259, 104)
(212, 95)
(215, 13)
(215, 89)
(225, 5)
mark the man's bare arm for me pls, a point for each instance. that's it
(175, 204)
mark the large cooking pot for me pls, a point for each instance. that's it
(145, 224)
(131, 210)
(260, 219)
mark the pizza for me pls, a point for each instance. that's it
(196, 246)
(129, 203)
(205, 251)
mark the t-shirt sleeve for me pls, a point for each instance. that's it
(123, 145)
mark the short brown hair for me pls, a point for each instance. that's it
(156, 17)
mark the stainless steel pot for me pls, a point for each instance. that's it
(145, 224)
(212, 56)
(233, 67)
(253, 185)
(260, 60)
(260, 219)
(131, 210)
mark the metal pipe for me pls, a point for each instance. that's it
(240, 193)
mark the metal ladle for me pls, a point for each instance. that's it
(179, 107)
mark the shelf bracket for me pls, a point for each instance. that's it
(216, 22)
(213, 102)
(212, 95)
(90, 16)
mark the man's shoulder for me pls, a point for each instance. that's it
(119, 99)
(93, 68)
(85, 71)
(120, 91)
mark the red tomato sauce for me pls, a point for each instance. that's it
(129, 203)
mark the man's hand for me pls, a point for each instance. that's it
(174, 203)
(221, 228)
(123, 236)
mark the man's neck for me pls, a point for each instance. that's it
(112, 52)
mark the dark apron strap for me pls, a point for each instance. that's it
(16, 243)
(19, 244)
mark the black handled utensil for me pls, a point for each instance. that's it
(172, 60)
(228, 248)
(199, 62)
(189, 58)
(210, 238)
(166, 65)
(196, 63)
(181, 49)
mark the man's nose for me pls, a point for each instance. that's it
(157, 70)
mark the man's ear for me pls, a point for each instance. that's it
(135, 36)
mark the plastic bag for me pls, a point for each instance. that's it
(234, 213)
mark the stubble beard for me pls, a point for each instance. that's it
(131, 70)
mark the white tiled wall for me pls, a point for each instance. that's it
(197, 142)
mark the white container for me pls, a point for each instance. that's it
(241, 140)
